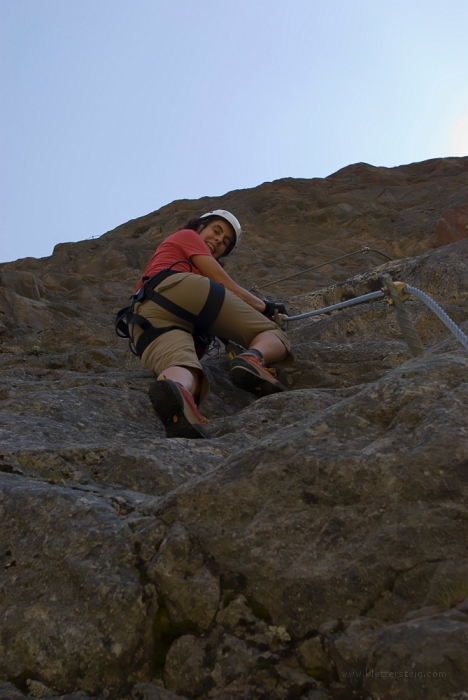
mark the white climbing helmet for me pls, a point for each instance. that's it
(231, 219)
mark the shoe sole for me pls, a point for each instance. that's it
(247, 379)
(169, 406)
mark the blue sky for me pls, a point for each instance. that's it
(112, 108)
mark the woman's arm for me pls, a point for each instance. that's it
(209, 267)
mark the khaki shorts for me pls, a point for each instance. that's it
(236, 321)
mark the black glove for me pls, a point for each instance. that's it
(272, 306)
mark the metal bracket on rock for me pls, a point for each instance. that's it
(399, 288)
(278, 317)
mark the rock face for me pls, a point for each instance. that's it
(316, 547)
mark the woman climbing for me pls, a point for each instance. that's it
(186, 294)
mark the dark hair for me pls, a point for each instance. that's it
(194, 225)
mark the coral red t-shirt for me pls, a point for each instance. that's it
(180, 246)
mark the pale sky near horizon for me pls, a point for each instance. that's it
(111, 109)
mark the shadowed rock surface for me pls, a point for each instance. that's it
(316, 547)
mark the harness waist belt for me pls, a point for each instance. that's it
(202, 322)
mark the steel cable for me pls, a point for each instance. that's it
(410, 333)
(404, 321)
(340, 305)
(364, 250)
(440, 313)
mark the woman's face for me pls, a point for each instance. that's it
(218, 236)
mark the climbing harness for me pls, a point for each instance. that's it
(202, 321)
(363, 251)
(398, 292)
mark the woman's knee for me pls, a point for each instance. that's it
(270, 345)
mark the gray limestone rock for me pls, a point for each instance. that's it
(147, 691)
(320, 533)
(185, 671)
(186, 578)
(72, 606)
(313, 657)
(420, 658)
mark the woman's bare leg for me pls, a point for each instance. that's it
(270, 346)
(266, 342)
(188, 378)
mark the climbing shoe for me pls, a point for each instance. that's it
(248, 372)
(176, 408)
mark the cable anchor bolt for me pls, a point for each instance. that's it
(279, 318)
(400, 287)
